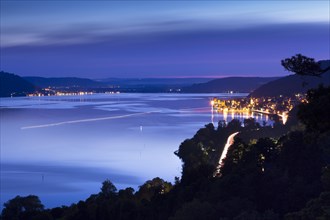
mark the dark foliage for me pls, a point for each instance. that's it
(302, 65)
(28, 207)
(313, 114)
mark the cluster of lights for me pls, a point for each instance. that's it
(112, 92)
(72, 93)
(49, 92)
(60, 94)
(267, 105)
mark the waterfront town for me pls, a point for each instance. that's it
(279, 106)
(57, 92)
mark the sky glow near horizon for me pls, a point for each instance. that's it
(160, 38)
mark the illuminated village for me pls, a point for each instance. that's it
(279, 106)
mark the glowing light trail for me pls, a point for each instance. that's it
(86, 120)
(192, 109)
(230, 141)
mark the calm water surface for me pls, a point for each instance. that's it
(62, 148)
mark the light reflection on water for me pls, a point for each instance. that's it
(66, 162)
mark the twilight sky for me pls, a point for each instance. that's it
(124, 39)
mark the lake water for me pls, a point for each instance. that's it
(61, 148)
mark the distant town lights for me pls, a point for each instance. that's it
(266, 105)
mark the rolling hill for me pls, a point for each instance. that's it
(63, 82)
(292, 84)
(13, 85)
(235, 84)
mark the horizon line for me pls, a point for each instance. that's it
(158, 77)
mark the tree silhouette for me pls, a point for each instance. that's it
(303, 66)
(22, 208)
(108, 189)
(153, 187)
(315, 114)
